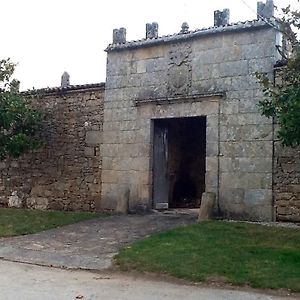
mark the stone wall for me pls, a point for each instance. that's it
(207, 73)
(66, 173)
(287, 183)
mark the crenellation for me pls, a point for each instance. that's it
(265, 10)
(119, 36)
(221, 18)
(151, 30)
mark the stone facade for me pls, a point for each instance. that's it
(207, 73)
(66, 173)
(101, 140)
(287, 183)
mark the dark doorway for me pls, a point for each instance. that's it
(179, 162)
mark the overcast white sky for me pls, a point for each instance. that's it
(49, 37)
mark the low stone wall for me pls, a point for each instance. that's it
(65, 174)
(287, 183)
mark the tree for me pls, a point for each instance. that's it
(282, 100)
(19, 121)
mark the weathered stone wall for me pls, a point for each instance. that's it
(66, 173)
(287, 183)
(182, 77)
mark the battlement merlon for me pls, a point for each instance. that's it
(178, 37)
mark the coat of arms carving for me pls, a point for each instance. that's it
(179, 70)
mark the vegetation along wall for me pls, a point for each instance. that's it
(65, 174)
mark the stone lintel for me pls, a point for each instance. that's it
(180, 99)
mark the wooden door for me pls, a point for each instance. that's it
(160, 167)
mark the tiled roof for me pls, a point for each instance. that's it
(70, 88)
(239, 26)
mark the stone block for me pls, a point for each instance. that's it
(246, 149)
(211, 164)
(94, 188)
(123, 202)
(117, 67)
(212, 134)
(109, 150)
(141, 66)
(228, 165)
(211, 178)
(128, 137)
(156, 65)
(93, 137)
(295, 188)
(230, 133)
(208, 42)
(37, 203)
(150, 52)
(249, 105)
(111, 137)
(261, 65)
(110, 176)
(258, 197)
(204, 71)
(255, 164)
(38, 191)
(243, 38)
(234, 68)
(207, 205)
(144, 192)
(212, 149)
(246, 133)
(254, 51)
(15, 200)
(229, 107)
(232, 195)
(262, 213)
(247, 181)
(248, 82)
(89, 151)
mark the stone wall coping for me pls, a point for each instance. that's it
(66, 90)
(234, 27)
(179, 99)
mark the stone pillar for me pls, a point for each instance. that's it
(265, 10)
(221, 18)
(65, 80)
(119, 36)
(151, 30)
(207, 205)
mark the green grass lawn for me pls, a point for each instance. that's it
(239, 253)
(20, 221)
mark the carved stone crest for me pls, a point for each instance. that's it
(179, 70)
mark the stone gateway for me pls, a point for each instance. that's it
(176, 117)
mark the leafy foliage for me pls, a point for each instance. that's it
(19, 121)
(282, 100)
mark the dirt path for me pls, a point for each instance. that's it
(90, 244)
(30, 282)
